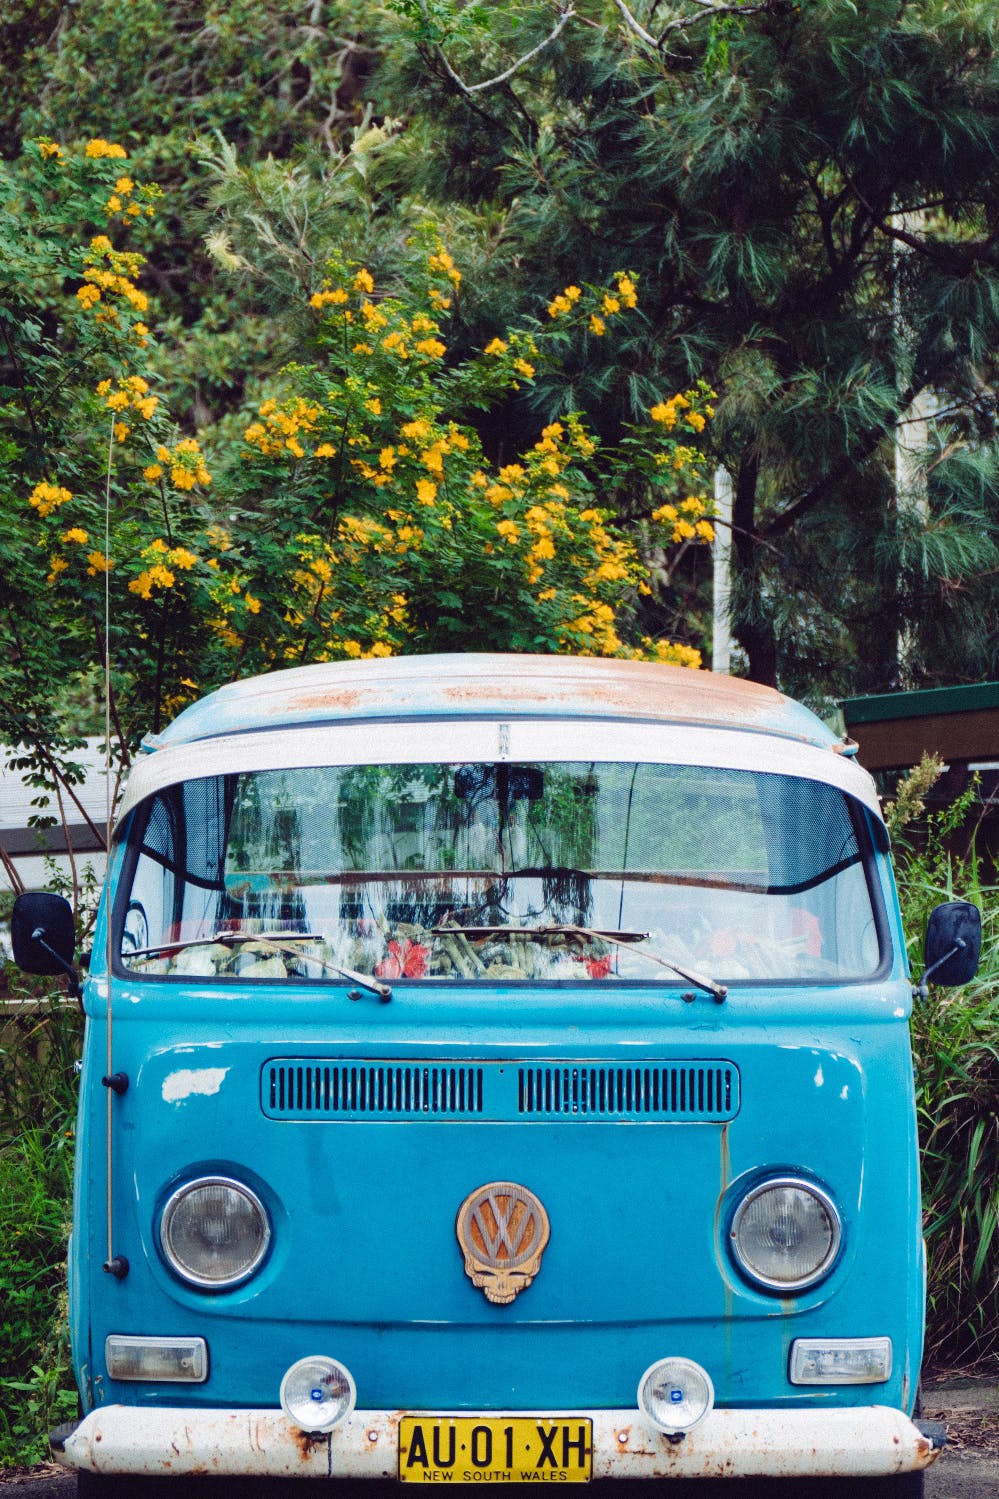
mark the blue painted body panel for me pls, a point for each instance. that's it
(365, 1262)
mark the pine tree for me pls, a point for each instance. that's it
(809, 195)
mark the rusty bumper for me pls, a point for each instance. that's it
(867, 1441)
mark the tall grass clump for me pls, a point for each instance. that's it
(955, 1036)
(39, 1043)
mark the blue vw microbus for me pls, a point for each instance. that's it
(497, 1069)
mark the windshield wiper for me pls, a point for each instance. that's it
(717, 991)
(281, 942)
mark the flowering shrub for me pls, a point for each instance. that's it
(357, 513)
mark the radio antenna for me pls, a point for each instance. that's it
(113, 1083)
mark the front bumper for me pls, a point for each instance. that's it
(866, 1441)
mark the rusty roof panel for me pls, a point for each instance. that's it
(494, 686)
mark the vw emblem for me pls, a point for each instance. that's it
(503, 1230)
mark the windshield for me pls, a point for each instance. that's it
(499, 873)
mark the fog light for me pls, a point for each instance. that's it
(317, 1393)
(675, 1394)
(840, 1360)
(166, 1360)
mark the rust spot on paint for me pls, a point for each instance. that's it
(308, 1442)
(344, 701)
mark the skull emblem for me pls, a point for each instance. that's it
(503, 1230)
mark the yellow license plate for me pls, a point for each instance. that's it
(476, 1449)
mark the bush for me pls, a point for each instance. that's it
(37, 1108)
(955, 1036)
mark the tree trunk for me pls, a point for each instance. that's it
(751, 624)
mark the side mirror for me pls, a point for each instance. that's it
(43, 935)
(953, 944)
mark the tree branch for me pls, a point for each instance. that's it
(708, 9)
(565, 16)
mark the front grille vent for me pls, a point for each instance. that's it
(356, 1090)
(688, 1091)
(678, 1090)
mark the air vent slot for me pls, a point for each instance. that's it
(331, 1088)
(299, 1089)
(690, 1091)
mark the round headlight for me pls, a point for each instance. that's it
(214, 1232)
(786, 1234)
(317, 1393)
(675, 1394)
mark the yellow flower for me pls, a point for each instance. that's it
(322, 299)
(182, 558)
(152, 472)
(47, 149)
(121, 431)
(375, 407)
(124, 185)
(88, 296)
(57, 565)
(48, 497)
(325, 450)
(98, 148)
(597, 325)
(508, 530)
(98, 563)
(77, 534)
(426, 491)
(113, 204)
(705, 530)
(496, 346)
(523, 368)
(363, 281)
(442, 262)
(252, 604)
(696, 420)
(431, 347)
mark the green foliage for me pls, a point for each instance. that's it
(957, 1084)
(807, 193)
(37, 1114)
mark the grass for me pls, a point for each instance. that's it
(956, 1049)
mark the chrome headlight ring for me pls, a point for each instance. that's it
(214, 1232)
(786, 1234)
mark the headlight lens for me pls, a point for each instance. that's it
(675, 1394)
(214, 1232)
(317, 1393)
(786, 1234)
